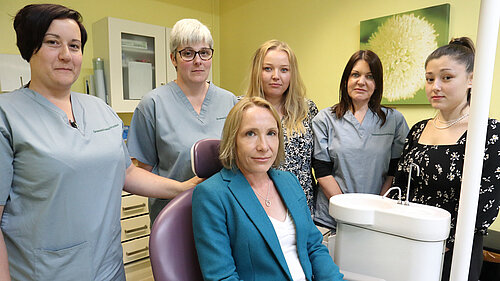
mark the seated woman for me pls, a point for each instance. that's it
(251, 219)
(437, 146)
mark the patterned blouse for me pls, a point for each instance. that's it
(440, 176)
(298, 153)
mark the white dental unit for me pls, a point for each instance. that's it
(388, 239)
(382, 238)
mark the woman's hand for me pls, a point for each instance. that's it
(192, 182)
(141, 182)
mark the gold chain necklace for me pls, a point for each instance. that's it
(448, 123)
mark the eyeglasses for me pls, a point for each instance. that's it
(189, 54)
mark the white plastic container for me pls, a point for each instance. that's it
(378, 237)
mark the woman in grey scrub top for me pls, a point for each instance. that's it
(171, 118)
(63, 163)
(357, 142)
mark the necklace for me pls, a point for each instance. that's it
(448, 123)
(267, 200)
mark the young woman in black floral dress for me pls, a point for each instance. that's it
(275, 77)
(437, 146)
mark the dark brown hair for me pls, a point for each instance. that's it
(377, 71)
(32, 21)
(461, 50)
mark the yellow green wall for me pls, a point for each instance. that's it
(324, 34)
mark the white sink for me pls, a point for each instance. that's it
(415, 221)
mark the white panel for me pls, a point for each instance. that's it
(14, 72)
(140, 75)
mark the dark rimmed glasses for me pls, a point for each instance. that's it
(189, 54)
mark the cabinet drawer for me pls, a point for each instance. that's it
(134, 205)
(139, 271)
(135, 249)
(135, 227)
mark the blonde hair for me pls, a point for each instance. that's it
(227, 150)
(295, 106)
(189, 32)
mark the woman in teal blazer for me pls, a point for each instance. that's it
(232, 210)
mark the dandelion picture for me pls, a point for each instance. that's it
(403, 42)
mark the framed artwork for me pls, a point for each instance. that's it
(403, 41)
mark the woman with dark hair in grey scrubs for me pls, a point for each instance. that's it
(63, 162)
(171, 118)
(357, 142)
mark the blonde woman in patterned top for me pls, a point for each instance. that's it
(437, 146)
(275, 76)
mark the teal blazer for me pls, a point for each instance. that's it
(235, 240)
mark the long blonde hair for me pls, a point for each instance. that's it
(295, 106)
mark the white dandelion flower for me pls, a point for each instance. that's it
(403, 43)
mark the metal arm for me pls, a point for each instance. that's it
(407, 201)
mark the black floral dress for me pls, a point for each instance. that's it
(440, 176)
(298, 153)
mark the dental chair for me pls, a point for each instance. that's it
(171, 243)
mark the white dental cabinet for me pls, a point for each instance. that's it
(136, 59)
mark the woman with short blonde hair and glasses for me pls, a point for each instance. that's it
(172, 117)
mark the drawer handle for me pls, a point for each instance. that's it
(128, 208)
(137, 251)
(127, 231)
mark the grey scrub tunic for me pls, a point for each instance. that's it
(61, 188)
(360, 153)
(165, 126)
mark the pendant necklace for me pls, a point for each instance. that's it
(267, 200)
(448, 123)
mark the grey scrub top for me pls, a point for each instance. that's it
(61, 188)
(165, 126)
(360, 153)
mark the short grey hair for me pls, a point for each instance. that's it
(188, 32)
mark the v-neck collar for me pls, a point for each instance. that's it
(76, 107)
(203, 111)
(349, 116)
